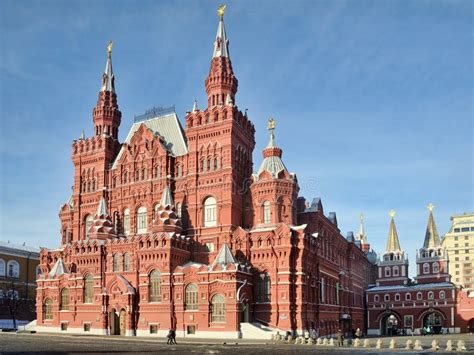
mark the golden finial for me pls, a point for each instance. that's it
(221, 10)
(430, 207)
(271, 124)
(109, 48)
(392, 213)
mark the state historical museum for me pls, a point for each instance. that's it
(173, 229)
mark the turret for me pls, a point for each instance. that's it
(432, 259)
(393, 268)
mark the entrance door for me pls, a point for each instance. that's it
(244, 315)
(389, 325)
(114, 323)
(434, 321)
(123, 318)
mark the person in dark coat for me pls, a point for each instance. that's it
(170, 337)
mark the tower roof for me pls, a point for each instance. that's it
(431, 237)
(166, 198)
(102, 208)
(108, 76)
(224, 256)
(393, 244)
(362, 237)
(221, 44)
(58, 269)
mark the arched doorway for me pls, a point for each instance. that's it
(114, 322)
(123, 318)
(434, 320)
(389, 325)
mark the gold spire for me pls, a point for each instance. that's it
(430, 207)
(431, 236)
(393, 244)
(109, 48)
(392, 213)
(361, 217)
(271, 124)
(220, 11)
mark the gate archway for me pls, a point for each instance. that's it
(389, 325)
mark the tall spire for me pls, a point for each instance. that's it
(102, 208)
(272, 162)
(166, 198)
(393, 244)
(431, 236)
(108, 79)
(221, 81)
(221, 44)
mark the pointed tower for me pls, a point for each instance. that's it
(221, 81)
(166, 219)
(274, 190)
(432, 259)
(92, 157)
(393, 268)
(106, 113)
(220, 140)
(362, 237)
(102, 226)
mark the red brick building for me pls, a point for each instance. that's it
(172, 229)
(396, 303)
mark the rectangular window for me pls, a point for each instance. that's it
(126, 224)
(63, 327)
(141, 222)
(87, 327)
(456, 252)
(153, 329)
(457, 272)
(456, 258)
(465, 229)
(408, 320)
(466, 251)
(466, 244)
(457, 230)
(456, 245)
(456, 266)
(191, 329)
(466, 258)
(456, 238)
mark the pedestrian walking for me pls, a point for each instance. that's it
(340, 338)
(170, 337)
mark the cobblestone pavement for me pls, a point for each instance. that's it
(80, 344)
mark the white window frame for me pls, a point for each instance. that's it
(142, 220)
(13, 269)
(442, 295)
(267, 213)
(210, 212)
(426, 268)
(3, 269)
(386, 297)
(88, 220)
(435, 267)
(126, 221)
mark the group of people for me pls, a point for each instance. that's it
(171, 337)
(340, 336)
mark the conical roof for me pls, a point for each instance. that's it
(58, 269)
(166, 198)
(431, 237)
(108, 76)
(221, 44)
(393, 244)
(224, 256)
(102, 208)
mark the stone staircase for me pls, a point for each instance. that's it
(257, 331)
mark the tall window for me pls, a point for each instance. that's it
(116, 262)
(218, 309)
(155, 286)
(263, 289)
(435, 267)
(13, 269)
(442, 295)
(126, 221)
(395, 271)
(210, 212)
(387, 272)
(2, 267)
(376, 298)
(157, 172)
(426, 268)
(87, 225)
(126, 262)
(191, 297)
(266, 212)
(408, 296)
(48, 308)
(64, 299)
(431, 295)
(89, 289)
(141, 220)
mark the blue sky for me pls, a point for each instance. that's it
(373, 99)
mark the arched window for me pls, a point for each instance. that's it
(191, 297)
(217, 164)
(13, 269)
(426, 268)
(157, 172)
(126, 221)
(386, 297)
(155, 286)
(442, 295)
(126, 262)
(218, 309)
(48, 309)
(2, 267)
(431, 295)
(387, 271)
(141, 220)
(263, 288)
(266, 212)
(116, 262)
(203, 165)
(376, 298)
(210, 212)
(88, 289)
(407, 296)
(125, 177)
(435, 267)
(178, 209)
(397, 297)
(179, 170)
(87, 225)
(395, 271)
(64, 299)
(419, 296)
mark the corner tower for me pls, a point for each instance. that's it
(393, 268)
(432, 259)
